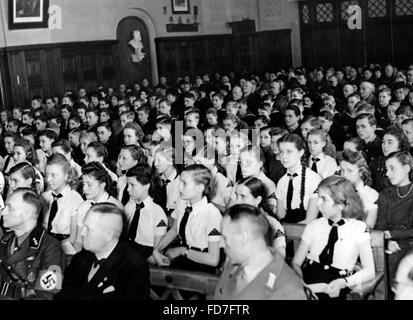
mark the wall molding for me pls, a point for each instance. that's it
(60, 45)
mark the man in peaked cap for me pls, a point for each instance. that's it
(31, 261)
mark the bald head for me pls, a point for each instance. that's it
(110, 217)
(246, 233)
(102, 227)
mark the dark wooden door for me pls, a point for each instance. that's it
(273, 50)
(132, 72)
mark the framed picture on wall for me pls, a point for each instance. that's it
(180, 6)
(28, 14)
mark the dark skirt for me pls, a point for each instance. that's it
(314, 272)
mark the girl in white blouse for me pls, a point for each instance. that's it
(330, 246)
(252, 191)
(97, 188)
(197, 224)
(354, 168)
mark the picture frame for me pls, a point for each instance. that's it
(28, 14)
(181, 7)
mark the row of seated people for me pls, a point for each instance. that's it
(148, 173)
(197, 222)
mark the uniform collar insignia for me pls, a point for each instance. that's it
(5, 239)
(36, 237)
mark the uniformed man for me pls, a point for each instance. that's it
(252, 272)
(31, 261)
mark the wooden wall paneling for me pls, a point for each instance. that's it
(326, 45)
(116, 65)
(184, 57)
(18, 78)
(56, 72)
(35, 73)
(99, 68)
(402, 43)
(79, 70)
(206, 49)
(378, 42)
(306, 31)
(6, 95)
(275, 52)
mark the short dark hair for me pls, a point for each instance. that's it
(370, 118)
(60, 160)
(294, 139)
(142, 172)
(64, 144)
(294, 108)
(255, 217)
(50, 134)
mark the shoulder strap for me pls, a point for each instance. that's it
(302, 188)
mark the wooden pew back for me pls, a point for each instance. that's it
(293, 233)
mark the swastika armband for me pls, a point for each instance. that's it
(49, 280)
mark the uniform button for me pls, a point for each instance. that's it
(9, 267)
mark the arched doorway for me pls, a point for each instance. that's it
(134, 68)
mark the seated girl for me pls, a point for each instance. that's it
(61, 203)
(395, 208)
(220, 184)
(24, 152)
(354, 168)
(22, 175)
(331, 245)
(296, 190)
(394, 140)
(146, 221)
(129, 157)
(251, 165)
(309, 123)
(97, 188)
(96, 152)
(318, 161)
(197, 226)
(252, 191)
(168, 194)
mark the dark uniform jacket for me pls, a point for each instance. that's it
(276, 282)
(34, 270)
(123, 276)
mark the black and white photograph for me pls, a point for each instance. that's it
(180, 6)
(206, 152)
(26, 14)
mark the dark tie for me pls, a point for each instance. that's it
(238, 175)
(314, 166)
(164, 193)
(290, 191)
(125, 196)
(6, 164)
(326, 256)
(133, 229)
(98, 263)
(183, 224)
(53, 211)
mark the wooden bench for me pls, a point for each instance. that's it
(375, 289)
(173, 281)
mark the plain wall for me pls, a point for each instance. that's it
(92, 20)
